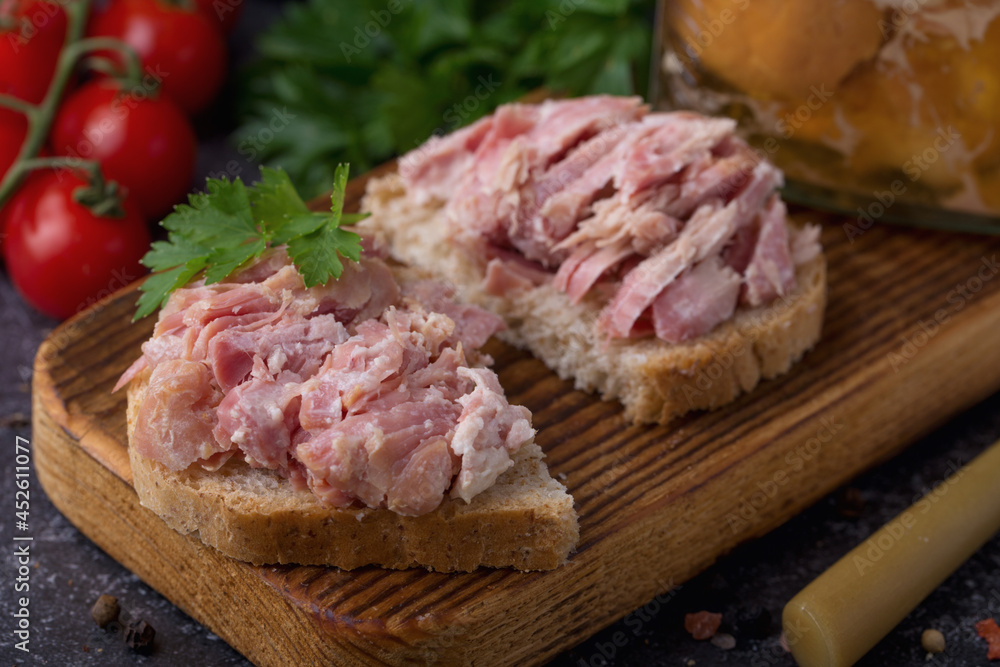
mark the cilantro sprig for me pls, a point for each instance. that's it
(226, 227)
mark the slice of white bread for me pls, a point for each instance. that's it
(655, 380)
(525, 520)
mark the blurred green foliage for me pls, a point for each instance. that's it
(360, 81)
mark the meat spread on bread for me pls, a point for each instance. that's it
(366, 390)
(597, 228)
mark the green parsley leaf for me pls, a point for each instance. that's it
(219, 218)
(339, 190)
(274, 198)
(165, 255)
(316, 254)
(230, 224)
(156, 289)
(223, 261)
(299, 225)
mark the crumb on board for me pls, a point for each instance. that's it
(932, 641)
(105, 610)
(988, 630)
(702, 624)
(15, 420)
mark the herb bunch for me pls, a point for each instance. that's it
(365, 80)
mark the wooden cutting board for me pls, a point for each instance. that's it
(657, 504)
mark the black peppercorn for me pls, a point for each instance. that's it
(139, 636)
(850, 502)
(754, 622)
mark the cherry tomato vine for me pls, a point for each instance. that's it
(81, 100)
(40, 116)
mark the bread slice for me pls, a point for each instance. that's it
(525, 520)
(655, 380)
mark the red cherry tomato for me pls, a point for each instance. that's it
(179, 47)
(29, 51)
(224, 13)
(145, 143)
(62, 257)
(13, 130)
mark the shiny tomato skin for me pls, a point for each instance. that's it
(13, 131)
(223, 13)
(179, 47)
(29, 52)
(145, 143)
(59, 255)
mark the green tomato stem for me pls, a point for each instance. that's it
(63, 162)
(133, 66)
(17, 104)
(102, 65)
(101, 197)
(188, 5)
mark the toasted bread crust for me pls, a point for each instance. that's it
(656, 381)
(525, 521)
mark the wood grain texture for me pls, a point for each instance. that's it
(657, 504)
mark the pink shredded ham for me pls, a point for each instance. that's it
(704, 235)
(505, 277)
(700, 298)
(443, 159)
(486, 414)
(586, 266)
(770, 272)
(600, 197)
(521, 145)
(176, 418)
(361, 389)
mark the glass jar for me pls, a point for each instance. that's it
(878, 108)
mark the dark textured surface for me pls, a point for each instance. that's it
(68, 573)
(770, 571)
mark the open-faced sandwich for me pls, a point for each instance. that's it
(646, 255)
(353, 421)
